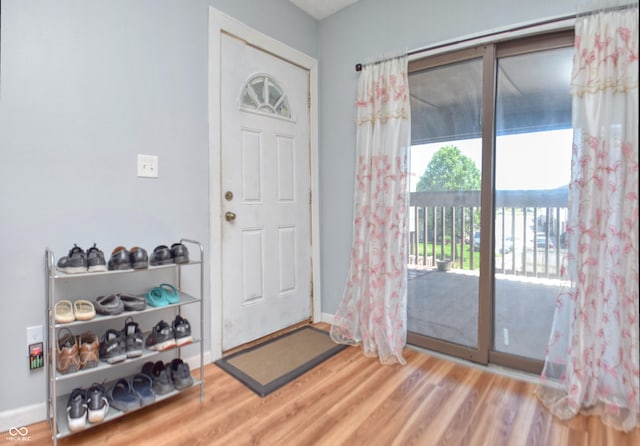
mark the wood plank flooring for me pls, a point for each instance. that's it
(353, 400)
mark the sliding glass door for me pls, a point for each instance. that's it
(446, 169)
(490, 164)
(532, 172)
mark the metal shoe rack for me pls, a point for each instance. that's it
(58, 384)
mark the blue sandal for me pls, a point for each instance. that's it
(171, 293)
(162, 295)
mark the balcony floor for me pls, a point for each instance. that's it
(444, 305)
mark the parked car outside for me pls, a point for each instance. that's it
(543, 243)
(508, 245)
(476, 240)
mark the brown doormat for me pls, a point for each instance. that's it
(272, 364)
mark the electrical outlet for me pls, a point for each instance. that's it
(34, 334)
(147, 166)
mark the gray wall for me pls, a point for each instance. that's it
(85, 86)
(368, 29)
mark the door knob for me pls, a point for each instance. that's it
(230, 216)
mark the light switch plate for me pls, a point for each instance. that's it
(147, 166)
(34, 334)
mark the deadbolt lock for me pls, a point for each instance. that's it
(228, 195)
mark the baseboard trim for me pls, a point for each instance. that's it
(35, 413)
(327, 317)
(22, 416)
(492, 368)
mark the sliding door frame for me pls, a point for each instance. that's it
(490, 53)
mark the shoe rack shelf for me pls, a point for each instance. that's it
(56, 399)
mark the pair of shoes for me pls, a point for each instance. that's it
(165, 336)
(117, 303)
(116, 346)
(109, 305)
(84, 406)
(163, 255)
(76, 353)
(123, 259)
(162, 295)
(169, 376)
(77, 261)
(80, 310)
(131, 393)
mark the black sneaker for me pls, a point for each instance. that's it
(77, 410)
(182, 331)
(119, 259)
(179, 253)
(138, 258)
(95, 260)
(180, 374)
(161, 338)
(160, 377)
(75, 262)
(97, 404)
(161, 256)
(134, 338)
(113, 347)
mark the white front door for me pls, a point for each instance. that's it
(265, 183)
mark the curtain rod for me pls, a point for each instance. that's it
(507, 30)
(476, 37)
(462, 40)
(608, 9)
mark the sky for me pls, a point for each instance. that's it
(530, 161)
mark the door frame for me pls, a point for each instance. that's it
(221, 23)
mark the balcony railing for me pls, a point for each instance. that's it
(529, 230)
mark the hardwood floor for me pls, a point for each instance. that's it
(353, 400)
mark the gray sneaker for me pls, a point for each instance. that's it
(95, 260)
(160, 376)
(113, 347)
(134, 338)
(75, 262)
(97, 403)
(161, 337)
(180, 373)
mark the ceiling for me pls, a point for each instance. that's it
(319, 9)
(532, 95)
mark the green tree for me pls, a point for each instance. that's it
(449, 169)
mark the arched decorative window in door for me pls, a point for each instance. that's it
(262, 94)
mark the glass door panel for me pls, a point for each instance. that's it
(446, 155)
(532, 172)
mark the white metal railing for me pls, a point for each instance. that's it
(528, 234)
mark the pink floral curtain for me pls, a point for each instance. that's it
(373, 311)
(592, 358)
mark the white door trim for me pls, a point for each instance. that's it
(219, 23)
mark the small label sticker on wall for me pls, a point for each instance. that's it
(36, 356)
